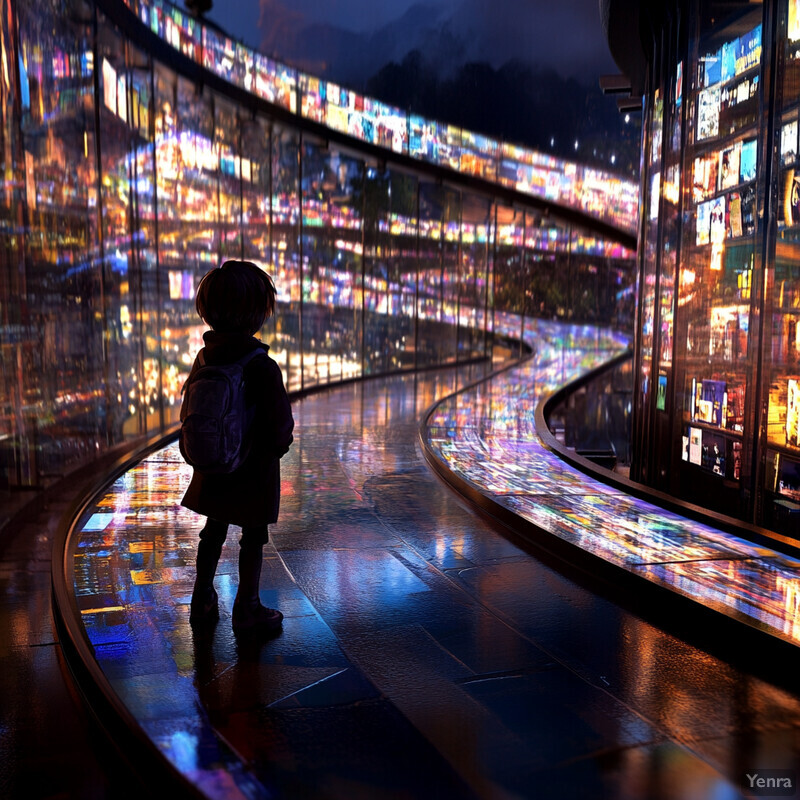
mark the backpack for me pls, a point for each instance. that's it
(214, 417)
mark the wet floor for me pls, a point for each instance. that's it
(50, 746)
(486, 437)
(425, 651)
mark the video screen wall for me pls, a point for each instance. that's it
(718, 393)
(129, 183)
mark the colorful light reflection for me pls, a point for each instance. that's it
(486, 436)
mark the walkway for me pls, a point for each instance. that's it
(426, 651)
(486, 437)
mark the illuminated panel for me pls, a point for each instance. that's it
(479, 155)
(219, 54)
(339, 109)
(157, 24)
(275, 83)
(390, 125)
(313, 94)
(422, 142)
(451, 150)
(486, 436)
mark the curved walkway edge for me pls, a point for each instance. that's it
(485, 441)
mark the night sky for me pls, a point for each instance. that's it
(563, 34)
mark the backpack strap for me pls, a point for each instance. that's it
(244, 360)
(248, 357)
(201, 360)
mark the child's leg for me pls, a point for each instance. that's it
(204, 597)
(248, 613)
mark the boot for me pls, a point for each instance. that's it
(248, 613)
(204, 607)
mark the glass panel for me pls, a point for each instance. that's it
(227, 149)
(585, 277)
(378, 294)
(285, 257)
(255, 169)
(671, 193)
(186, 199)
(256, 234)
(59, 402)
(472, 275)
(782, 353)
(402, 260)
(436, 338)
(430, 261)
(546, 267)
(451, 257)
(333, 198)
(16, 462)
(161, 365)
(648, 256)
(121, 289)
(719, 250)
(509, 275)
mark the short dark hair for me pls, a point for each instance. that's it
(236, 297)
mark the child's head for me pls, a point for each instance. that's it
(236, 298)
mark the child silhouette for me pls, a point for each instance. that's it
(234, 300)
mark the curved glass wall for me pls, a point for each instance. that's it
(127, 178)
(717, 394)
(602, 195)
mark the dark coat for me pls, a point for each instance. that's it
(251, 494)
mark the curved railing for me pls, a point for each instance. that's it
(490, 441)
(597, 194)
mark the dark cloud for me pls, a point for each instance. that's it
(360, 16)
(565, 35)
(337, 35)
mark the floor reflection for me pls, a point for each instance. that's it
(486, 436)
(424, 653)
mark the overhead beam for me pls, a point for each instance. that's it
(615, 84)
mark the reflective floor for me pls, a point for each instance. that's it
(486, 436)
(50, 747)
(426, 652)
